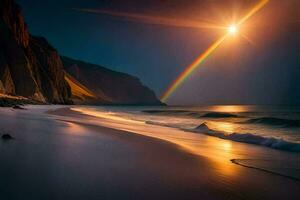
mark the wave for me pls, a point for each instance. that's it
(271, 142)
(272, 121)
(189, 113)
(219, 115)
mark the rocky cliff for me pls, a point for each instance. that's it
(107, 86)
(29, 66)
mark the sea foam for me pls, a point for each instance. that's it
(272, 142)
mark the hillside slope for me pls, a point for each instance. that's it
(83, 95)
(109, 86)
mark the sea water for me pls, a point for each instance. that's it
(276, 127)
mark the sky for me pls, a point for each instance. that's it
(155, 40)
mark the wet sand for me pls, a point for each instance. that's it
(62, 157)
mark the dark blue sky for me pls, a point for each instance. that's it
(263, 69)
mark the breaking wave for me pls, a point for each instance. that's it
(271, 142)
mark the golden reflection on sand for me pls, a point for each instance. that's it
(225, 151)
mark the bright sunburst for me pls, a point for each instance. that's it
(232, 29)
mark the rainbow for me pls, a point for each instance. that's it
(201, 59)
(189, 70)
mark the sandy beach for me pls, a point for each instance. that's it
(59, 153)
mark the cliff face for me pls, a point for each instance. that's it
(29, 66)
(109, 86)
(32, 68)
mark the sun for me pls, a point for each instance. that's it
(232, 29)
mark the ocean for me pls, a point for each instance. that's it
(276, 127)
(266, 138)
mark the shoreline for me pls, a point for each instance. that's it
(122, 163)
(187, 150)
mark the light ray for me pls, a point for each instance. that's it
(156, 20)
(185, 74)
(256, 8)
